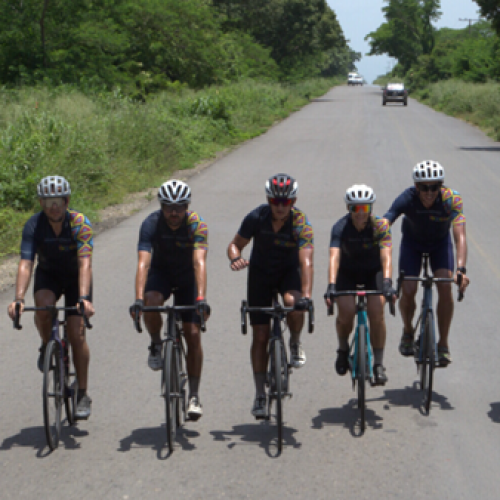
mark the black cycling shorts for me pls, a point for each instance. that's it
(60, 284)
(260, 289)
(348, 279)
(185, 290)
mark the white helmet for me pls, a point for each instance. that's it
(428, 170)
(53, 186)
(359, 194)
(174, 192)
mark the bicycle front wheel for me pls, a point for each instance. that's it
(362, 375)
(52, 394)
(429, 364)
(170, 392)
(278, 367)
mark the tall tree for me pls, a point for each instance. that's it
(491, 10)
(408, 32)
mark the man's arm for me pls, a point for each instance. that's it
(143, 265)
(84, 283)
(23, 279)
(306, 270)
(459, 235)
(234, 252)
(386, 261)
(333, 269)
(200, 270)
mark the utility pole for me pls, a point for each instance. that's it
(470, 22)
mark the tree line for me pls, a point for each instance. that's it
(147, 45)
(426, 54)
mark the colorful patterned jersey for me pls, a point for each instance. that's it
(57, 253)
(273, 251)
(427, 225)
(360, 250)
(173, 250)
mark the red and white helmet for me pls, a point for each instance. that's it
(359, 194)
(428, 170)
(174, 192)
(53, 186)
(282, 186)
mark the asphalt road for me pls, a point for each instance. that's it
(343, 138)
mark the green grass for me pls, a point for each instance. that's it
(107, 145)
(477, 103)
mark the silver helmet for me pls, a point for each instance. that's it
(359, 194)
(53, 186)
(428, 170)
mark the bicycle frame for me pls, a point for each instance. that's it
(361, 329)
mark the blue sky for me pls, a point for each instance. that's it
(360, 17)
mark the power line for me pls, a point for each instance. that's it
(470, 22)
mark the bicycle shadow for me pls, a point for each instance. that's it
(494, 413)
(263, 434)
(348, 417)
(156, 439)
(413, 397)
(34, 437)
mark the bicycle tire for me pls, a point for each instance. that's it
(52, 394)
(431, 364)
(70, 388)
(362, 375)
(168, 390)
(279, 392)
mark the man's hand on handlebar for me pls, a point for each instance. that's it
(12, 308)
(302, 304)
(329, 294)
(136, 308)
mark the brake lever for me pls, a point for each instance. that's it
(17, 317)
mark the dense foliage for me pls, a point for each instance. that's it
(491, 10)
(427, 55)
(146, 45)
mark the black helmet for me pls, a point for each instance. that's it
(282, 186)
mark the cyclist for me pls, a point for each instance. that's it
(430, 210)
(361, 254)
(172, 252)
(282, 259)
(62, 238)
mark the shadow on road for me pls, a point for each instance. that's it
(323, 100)
(156, 439)
(348, 417)
(413, 397)
(489, 148)
(34, 437)
(494, 413)
(263, 434)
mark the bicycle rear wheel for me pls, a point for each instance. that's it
(428, 366)
(362, 375)
(52, 394)
(278, 345)
(170, 392)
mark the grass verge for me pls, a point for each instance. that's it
(107, 145)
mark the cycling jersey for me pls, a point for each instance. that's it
(427, 225)
(272, 250)
(173, 249)
(360, 250)
(57, 253)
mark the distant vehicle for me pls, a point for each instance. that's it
(395, 92)
(354, 79)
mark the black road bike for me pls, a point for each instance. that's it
(279, 369)
(174, 377)
(60, 383)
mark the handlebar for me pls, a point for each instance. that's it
(166, 309)
(53, 309)
(430, 280)
(360, 293)
(276, 310)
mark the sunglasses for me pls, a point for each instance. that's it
(175, 207)
(286, 202)
(360, 209)
(50, 202)
(429, 187)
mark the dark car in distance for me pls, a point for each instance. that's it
(395, 92)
